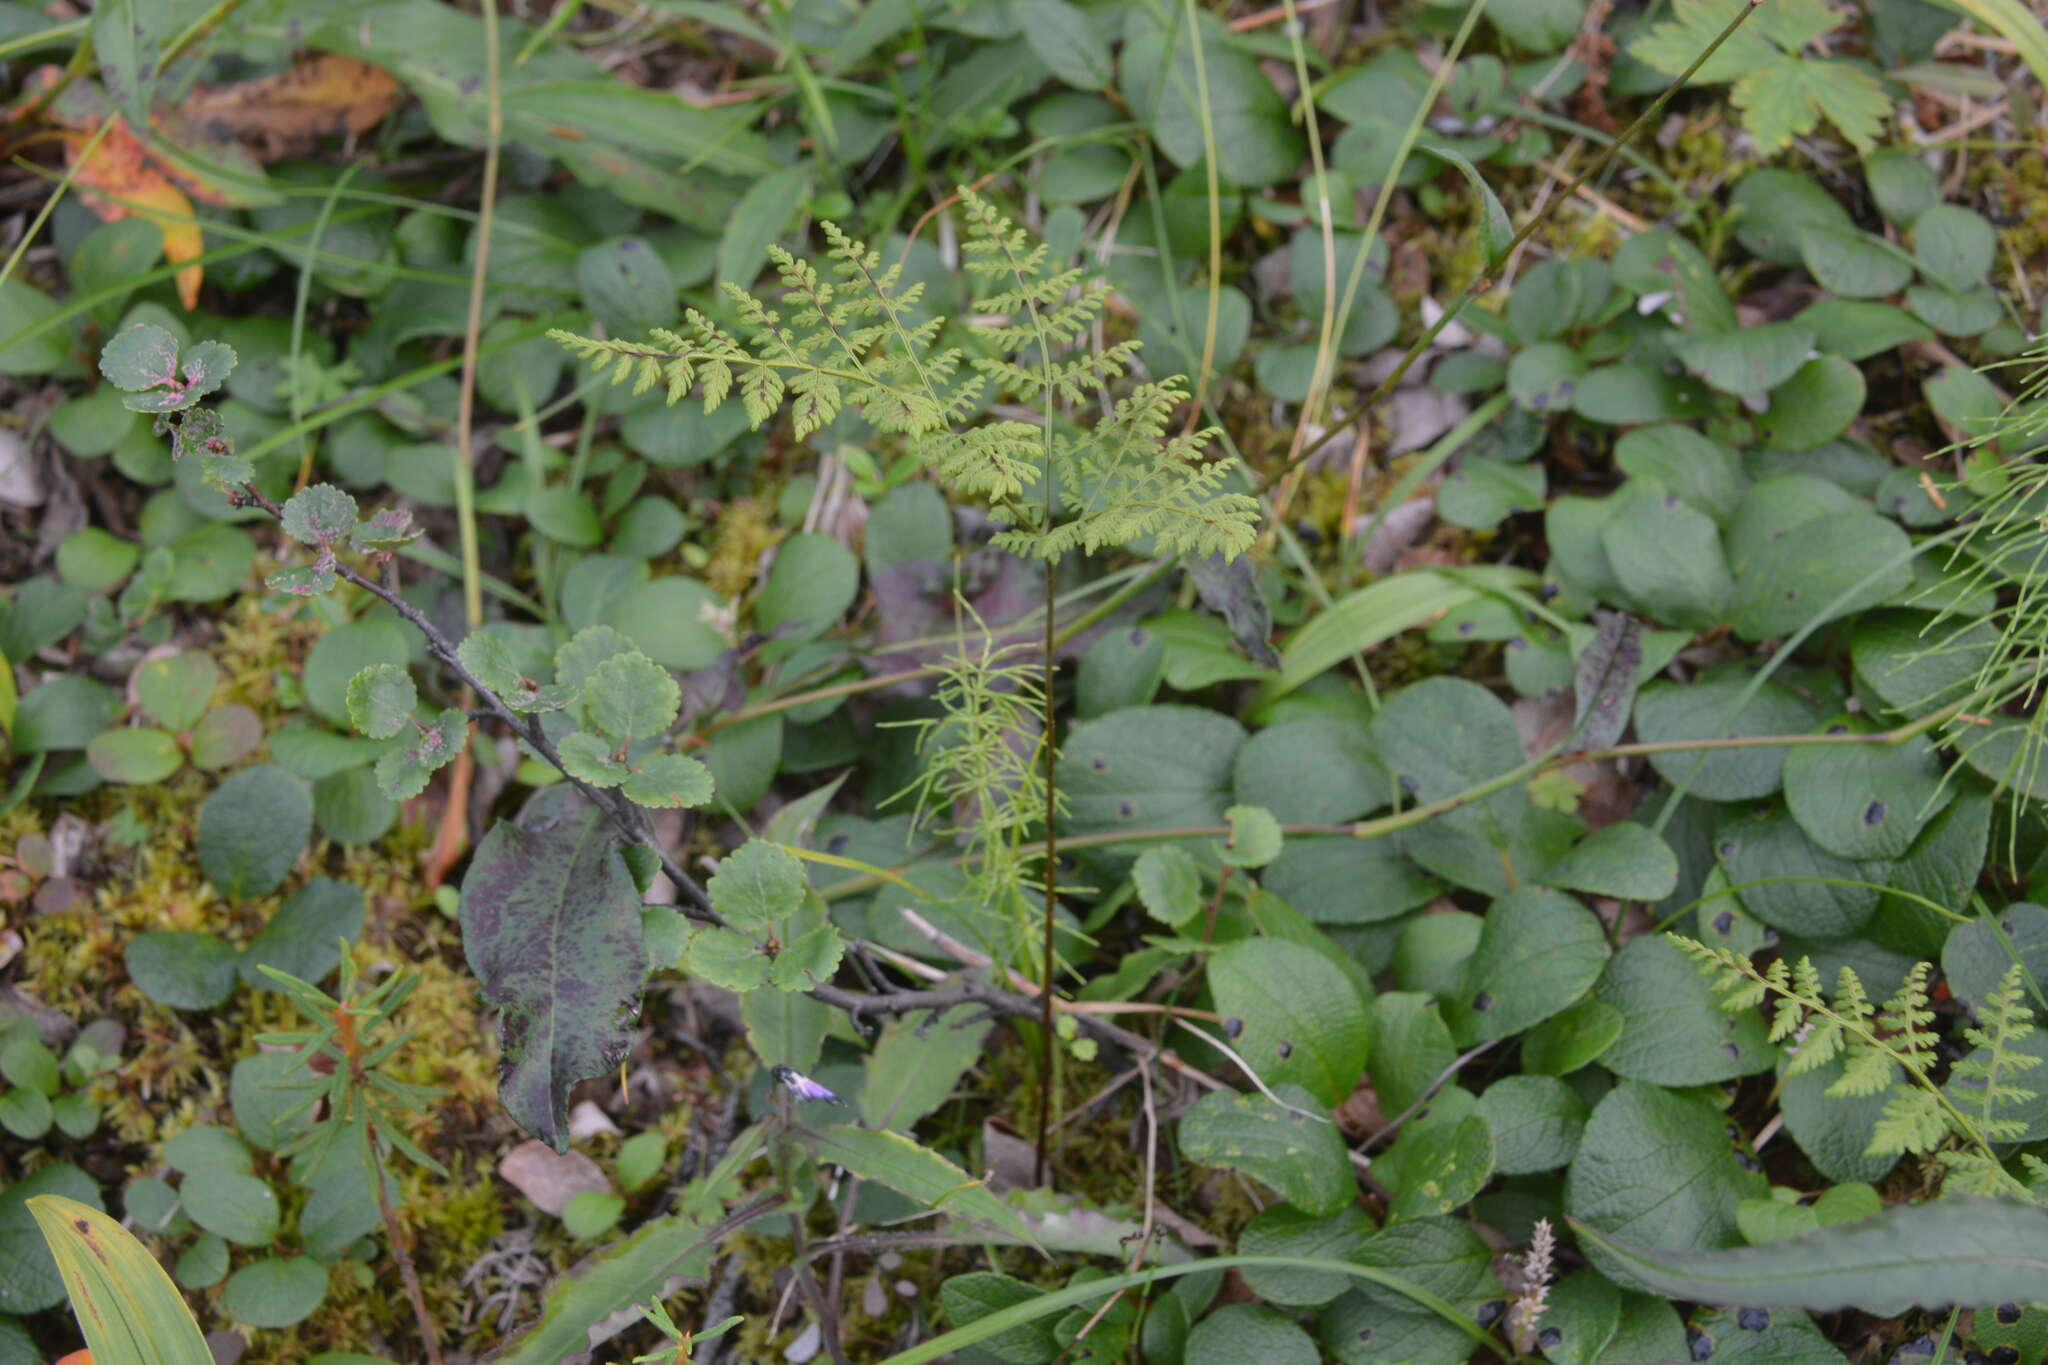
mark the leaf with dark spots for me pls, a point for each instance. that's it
(551, 927)
(1608, 673)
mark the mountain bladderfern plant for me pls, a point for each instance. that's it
(1892, 1051)
(1055, 483)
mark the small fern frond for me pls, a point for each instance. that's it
(1869, 1070)
(1913, 1121)
(1975, 1173)
(1905, 1018)
(1986, 1073)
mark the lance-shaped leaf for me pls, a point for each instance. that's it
(918, 1173)
(551, 927)
(1954, 1250)
(1608, 672)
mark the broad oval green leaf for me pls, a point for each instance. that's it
(1299, 1155)
(134, 755)
(1868, 800)
(1539, 950)
(1672, 1031)
(1656, 1170)
(1303, 1019)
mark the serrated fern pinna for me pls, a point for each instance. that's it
(857, 341)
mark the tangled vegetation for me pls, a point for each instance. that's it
(1023, 680)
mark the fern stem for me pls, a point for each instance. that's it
(1045, 1031)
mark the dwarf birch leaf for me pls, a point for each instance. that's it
(579, 658)
(380, 700)
(587, 758)
(402, 773)
(319, 515)
(629, 696)
(551, 927)
(140, 357)
(668, 780)
(757, 884)
(207, 366)
(812, 957)
(724, 958)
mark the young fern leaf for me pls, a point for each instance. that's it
(857, 341)
(1987, 1072)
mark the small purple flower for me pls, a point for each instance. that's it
(802, 1086)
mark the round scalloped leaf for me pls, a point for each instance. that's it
(403, 773)
(1254, 837)
(725, 958)
(629, 696)
(174, 690)
(1169, 883)
(139, 357)
(252, 829)
(757, 884)
(669, 780)
(319, 515)
(808, 959)
(207, 366)
(576, 660)
(587, 758)
(134, 756)
(381, 699)
(490, 660)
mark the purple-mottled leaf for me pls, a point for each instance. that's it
(1609, 672)
(140, 357)
(1230, 589)
(551, 926)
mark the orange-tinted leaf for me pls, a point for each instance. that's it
(324, 96)
(119, 180)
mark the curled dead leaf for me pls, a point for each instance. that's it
(286, 114)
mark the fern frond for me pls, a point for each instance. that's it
(1905, 1018)
(1975, 1173)
(2006, 1021)
(1913, 1121)
(998, 461)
